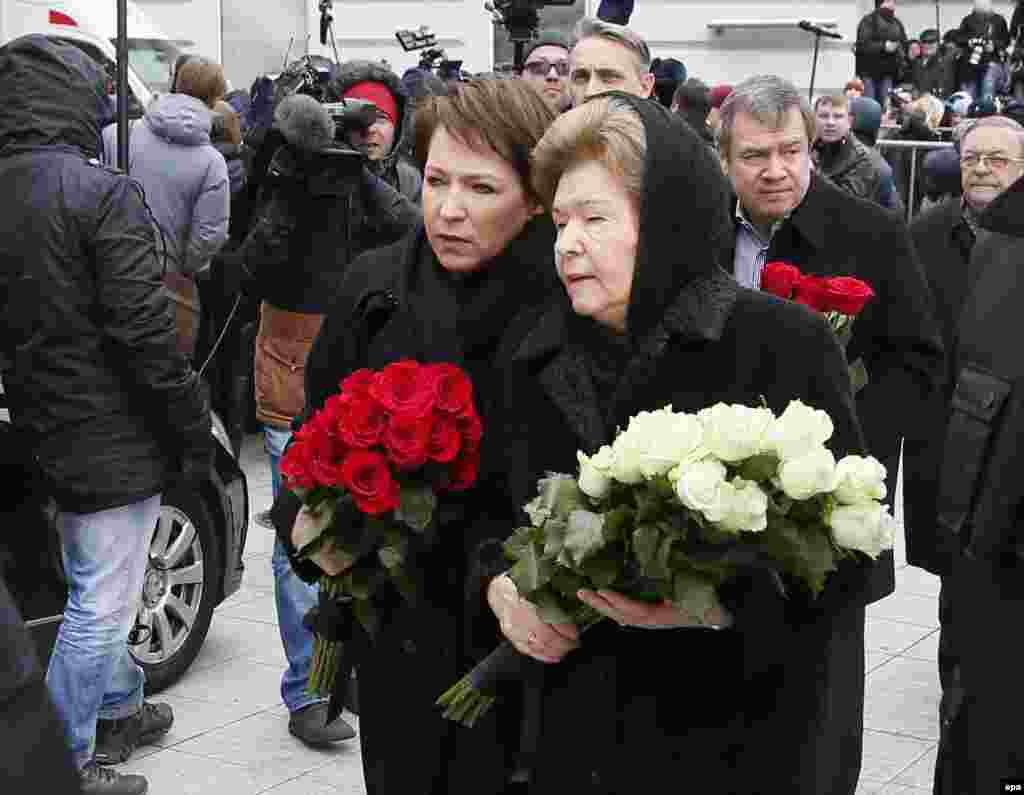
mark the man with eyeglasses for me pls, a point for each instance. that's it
(954, 248)
(609, 57)
(546, 68)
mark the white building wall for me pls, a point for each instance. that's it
(679, 29)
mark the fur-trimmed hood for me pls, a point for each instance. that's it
(360, 71)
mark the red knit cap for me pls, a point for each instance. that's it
(718, 95)
(378, 94)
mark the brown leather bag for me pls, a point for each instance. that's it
(282, 345)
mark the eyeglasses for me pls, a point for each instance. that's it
(541, 67)
(992, 161)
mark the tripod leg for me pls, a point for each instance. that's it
(814, 67)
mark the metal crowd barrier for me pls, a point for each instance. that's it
(886, 143)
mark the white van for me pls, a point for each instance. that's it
(91, 25)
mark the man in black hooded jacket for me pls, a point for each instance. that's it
(112, 411)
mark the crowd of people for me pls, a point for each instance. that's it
(586, 240)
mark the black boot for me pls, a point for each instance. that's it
(98, 780)
(116, 740)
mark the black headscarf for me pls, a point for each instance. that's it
(684, 215)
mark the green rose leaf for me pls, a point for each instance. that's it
(649, 506)
(567, 582)
(694, 594)
(322, 514)
(646, 539)
(555, 531)
(550, 609)
(531, 572)
(584, 535)
(618, 522)
(416, 507)
(392, 557)
(604, 569)
(760, 468)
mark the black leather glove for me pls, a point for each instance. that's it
(331, 619)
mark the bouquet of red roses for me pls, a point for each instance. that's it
(839, 298)
(368, 467)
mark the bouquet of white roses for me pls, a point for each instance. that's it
(679, 504)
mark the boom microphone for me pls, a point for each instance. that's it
(810, 27)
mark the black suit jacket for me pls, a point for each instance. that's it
(834, 234)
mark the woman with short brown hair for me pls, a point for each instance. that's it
(446, 293)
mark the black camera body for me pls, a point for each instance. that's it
(349, 116)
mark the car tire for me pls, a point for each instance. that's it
(178, 596)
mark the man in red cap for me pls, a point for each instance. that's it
(372, 81)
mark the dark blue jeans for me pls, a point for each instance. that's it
(293, 597)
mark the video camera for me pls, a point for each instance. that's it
(350, 116)
(422, 38)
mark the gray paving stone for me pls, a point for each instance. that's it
(886, 755)
(925, 649)
(261, 744)
(903, 698)
(173, 772)
(892, 637)
(262, 609)
(193, 717)
(908, 608)
(921, 773)
(233, 637)
(237, 682)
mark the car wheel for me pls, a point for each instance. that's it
(179, 590)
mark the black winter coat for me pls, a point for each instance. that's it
(848, 163)
(981, 495)
(111, 406)
(396, 303)
(873, 32)
(773, 704)
(944, 242)
(833, 234)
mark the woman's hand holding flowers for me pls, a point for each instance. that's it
(647, 615)
(522, 626)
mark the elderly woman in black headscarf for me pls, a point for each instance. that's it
(749, 697)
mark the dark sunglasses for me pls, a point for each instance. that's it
(541, 67)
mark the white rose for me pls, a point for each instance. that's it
(734, 433)
(699, 487)
(595, 472)
(812, 473)
(746, 507)
(798, 430)
(868, 527)
(859, 480)
(668, 440)
(626, 464)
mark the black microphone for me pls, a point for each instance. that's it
(810, 27)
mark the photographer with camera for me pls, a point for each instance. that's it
(983, 37)
(324, 207)
(382, 141)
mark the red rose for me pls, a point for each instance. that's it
(404, 387)
(335, 413)
(296, 466)
(358, 383)
(472, 431)
(453, 391)
(464, 471)
(364, 422)
(445, 439)
(407, 440)
(367, 477)
(812, 292)
(847, 295)
(780, 278)
(326, 453)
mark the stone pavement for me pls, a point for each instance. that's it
(231, 735)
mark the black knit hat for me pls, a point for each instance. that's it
(548, 38)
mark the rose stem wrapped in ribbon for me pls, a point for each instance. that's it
(369, 467)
